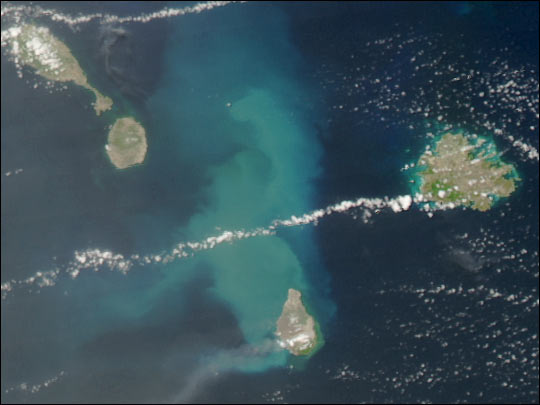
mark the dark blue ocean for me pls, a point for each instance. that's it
(256, 112)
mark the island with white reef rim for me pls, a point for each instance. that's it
(297, 331)
(126, 143)
(38, 48)
(465, 170)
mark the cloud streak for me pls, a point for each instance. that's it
(19, 11)
(97, 259)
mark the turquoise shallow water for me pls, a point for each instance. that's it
(256, 112)
(245, 123)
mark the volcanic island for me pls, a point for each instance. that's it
(38, 48)
(297, 331)
(126, 143)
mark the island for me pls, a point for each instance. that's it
(126, 143)
(296, 329)
(465, 170)
(51, 58)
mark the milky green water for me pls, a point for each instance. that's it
(239, 112)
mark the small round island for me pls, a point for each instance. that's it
(127, 143)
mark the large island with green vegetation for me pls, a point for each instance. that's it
(296, 329)
(36, 47)
(127, 143)
(465, 171)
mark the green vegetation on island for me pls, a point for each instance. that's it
(465, 171)
(51, 58)
(297, 331)
(127, 143)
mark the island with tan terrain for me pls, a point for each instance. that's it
(38, 48)
(466, 171)
(297, 331)
(126, 143)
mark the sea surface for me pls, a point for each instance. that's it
(255, 113)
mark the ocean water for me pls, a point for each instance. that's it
(255, 113)
(254, 122)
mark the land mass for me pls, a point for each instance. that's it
(127, 143)
(51, 58)
(463, 172)
(296, 329)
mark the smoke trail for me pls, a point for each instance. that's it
(241, 358)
